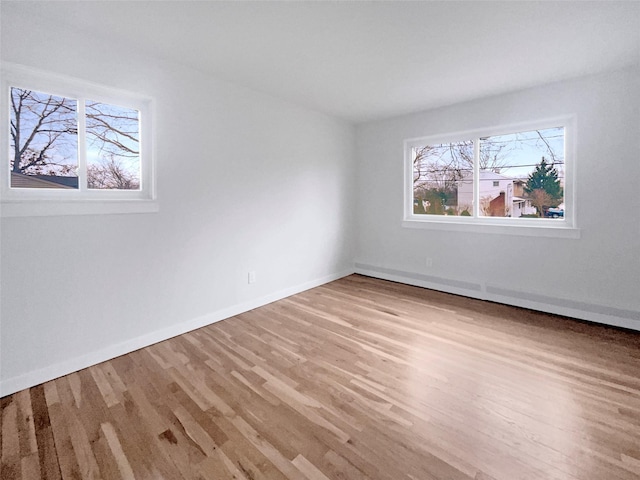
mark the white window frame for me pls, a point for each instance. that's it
(17, 202)
(565, 227)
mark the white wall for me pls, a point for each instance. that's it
(595, 277)
(245, 182)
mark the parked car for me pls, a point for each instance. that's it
(554, 213)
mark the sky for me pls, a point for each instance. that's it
(523, 151)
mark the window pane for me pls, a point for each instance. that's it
(113, 147)
(44, 140)
(522, 174)
(443, 179)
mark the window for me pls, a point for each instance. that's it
(519, 176)
(73, 147)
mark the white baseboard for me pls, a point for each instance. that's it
(36, 377)
(607, 315)
(581, 310)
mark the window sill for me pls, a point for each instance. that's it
(41, 208)
(559, 230)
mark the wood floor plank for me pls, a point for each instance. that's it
(10, 458)
(47, 453)
(113, 441)
(67, 457)
(356, 379)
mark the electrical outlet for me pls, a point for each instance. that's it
(251, 277)
(428, 262)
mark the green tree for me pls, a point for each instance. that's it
(544, 179)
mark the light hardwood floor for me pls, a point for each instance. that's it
(359, 378)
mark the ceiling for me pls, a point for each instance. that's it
(367, 60)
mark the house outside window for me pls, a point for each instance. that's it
(518, 175)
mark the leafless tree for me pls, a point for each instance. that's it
(541, 200)
(493, 154)
(113, 130)
(43, 132)
(44, 139)
(441, 166)
(111, 174)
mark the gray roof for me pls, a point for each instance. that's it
(20, 180)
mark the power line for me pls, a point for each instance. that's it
(500, 167)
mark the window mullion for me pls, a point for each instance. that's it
(476, 177)
(82, 146)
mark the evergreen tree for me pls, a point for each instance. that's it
(545, 178)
